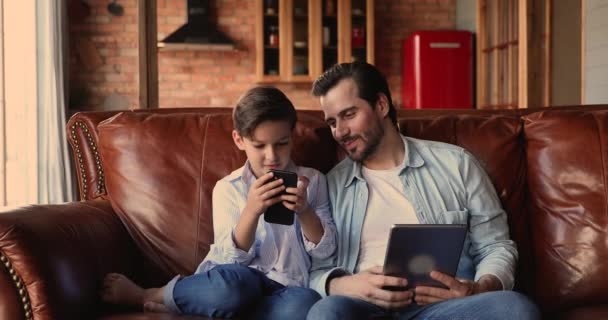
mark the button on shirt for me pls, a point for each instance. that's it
(281, 252)
(445, 185)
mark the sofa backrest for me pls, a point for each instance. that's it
(567, 159)
(159, 171)
(548, 167)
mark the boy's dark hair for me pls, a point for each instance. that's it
(261, 104)
(369, 80)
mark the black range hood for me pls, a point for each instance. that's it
(198, 33)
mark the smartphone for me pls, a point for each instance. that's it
(278, 213)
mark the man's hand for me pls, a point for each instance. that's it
(456, 288)
(368, 286)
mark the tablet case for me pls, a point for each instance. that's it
(414, 250)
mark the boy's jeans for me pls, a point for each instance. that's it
(494, 305)
(233, 290)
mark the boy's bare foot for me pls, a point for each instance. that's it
(119, 289)
(155, 307)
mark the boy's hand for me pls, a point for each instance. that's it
(296, 199)
(263, 193)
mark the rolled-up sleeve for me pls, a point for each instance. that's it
(322, 272)
(491, 248)
(226, 215)
(319, 200)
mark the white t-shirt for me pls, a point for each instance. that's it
(387, 205)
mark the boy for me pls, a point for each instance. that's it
(253, 267)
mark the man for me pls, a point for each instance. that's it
(388, 179)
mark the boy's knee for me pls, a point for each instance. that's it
(233, 275)
(219, 292)
(231, 268)
(234, 282)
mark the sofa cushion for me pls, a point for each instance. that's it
(496, 141)
(567, 154)
(584, 312)
(153, 167)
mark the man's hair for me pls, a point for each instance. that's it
(369, 80)
(261, 104)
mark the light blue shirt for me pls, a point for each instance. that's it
(446, 185)
(281, 252)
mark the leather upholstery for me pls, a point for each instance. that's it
(11, 304)
(587, 312)
(58, 254)
(155, 184)
(157, 169)
(567, 154)
(148, 316)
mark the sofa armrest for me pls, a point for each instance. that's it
(53, 258)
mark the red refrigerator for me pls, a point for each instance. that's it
(438, 70)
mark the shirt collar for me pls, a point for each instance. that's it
(247, 175)
(412, 159)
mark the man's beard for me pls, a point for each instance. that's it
(371, 141)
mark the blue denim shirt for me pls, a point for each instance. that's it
(446, 185)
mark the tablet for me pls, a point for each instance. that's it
(414, 250)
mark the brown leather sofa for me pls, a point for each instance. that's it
(145, 180)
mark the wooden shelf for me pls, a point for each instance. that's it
(294, 25)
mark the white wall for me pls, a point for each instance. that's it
(466, 15)
(19, 23)
(566, 53)
(596, 52)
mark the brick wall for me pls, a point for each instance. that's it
(394, 22)
(103, 53)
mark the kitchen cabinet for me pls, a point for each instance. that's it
(296, 40)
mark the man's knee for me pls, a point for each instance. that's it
(496, 305)
(304, 298)
(514, 305)
(331, 307)
(294, 303)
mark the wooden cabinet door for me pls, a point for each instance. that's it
(356, 30)
(302, 40)
(296, 40)
(269, 19)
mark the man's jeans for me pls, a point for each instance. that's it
(232, 290)
(491, 305)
